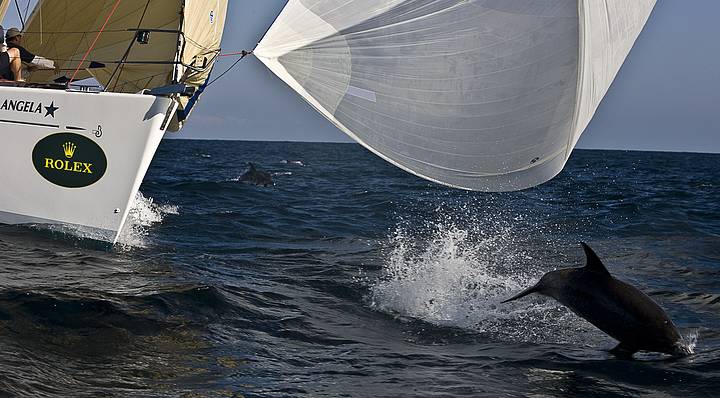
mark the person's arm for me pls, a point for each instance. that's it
(15, 63)
(34, 61)
(25, 55)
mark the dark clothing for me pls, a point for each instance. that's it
(5, 71)
(25, 55)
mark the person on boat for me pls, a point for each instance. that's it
(10, 64)
(14, 40)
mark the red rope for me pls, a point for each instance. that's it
(117, 3)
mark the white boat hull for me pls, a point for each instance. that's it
(54, 145)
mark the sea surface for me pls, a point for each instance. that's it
(351, 278)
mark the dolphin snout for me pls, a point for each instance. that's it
(530, 290)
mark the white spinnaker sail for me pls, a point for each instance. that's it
(486, 95)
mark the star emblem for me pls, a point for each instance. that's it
(50, 110)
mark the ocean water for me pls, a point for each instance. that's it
(351, 278)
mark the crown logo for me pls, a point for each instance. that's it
(69, 149)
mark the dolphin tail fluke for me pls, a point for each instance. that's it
(530, 290)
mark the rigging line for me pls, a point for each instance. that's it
(244, 54)
(22, 20)
(82, 32)
(112, 12)
(121, 66)
(132, 82)
(27, 9)
(233, 54)
(197, 44)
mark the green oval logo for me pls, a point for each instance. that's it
(69, 160)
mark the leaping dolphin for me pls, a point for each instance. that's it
(615, 307)
(256, 177)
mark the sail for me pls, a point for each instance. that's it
(64, 30)
(203, 31)
(486, 95)
(4, 5)
(609, 31)
(182, 42)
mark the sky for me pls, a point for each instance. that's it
(666, 97)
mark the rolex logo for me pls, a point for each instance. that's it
(69, 149)
(69, 160)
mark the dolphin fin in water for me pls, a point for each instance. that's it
(593, 261)
(256, 177)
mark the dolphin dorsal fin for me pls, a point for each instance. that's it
(593, 261)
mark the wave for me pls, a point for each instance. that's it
(452, 275)
(49, 336)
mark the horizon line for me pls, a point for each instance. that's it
(166, 137)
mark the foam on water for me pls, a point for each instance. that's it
(454, 276)
(294, 162)
(144, 214)
(689, 341)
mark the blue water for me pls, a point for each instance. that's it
(351, 278)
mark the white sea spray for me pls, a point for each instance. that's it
(143, 214)
(456, 272)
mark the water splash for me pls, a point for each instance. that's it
(455, 274)
(143, 214)
(293, 162)
(688, 342)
